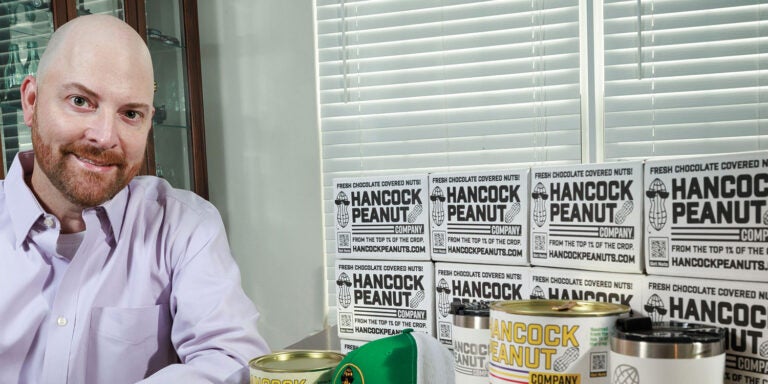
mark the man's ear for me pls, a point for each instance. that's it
(28, 99)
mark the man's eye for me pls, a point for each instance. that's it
(78, 101)
(132, 115)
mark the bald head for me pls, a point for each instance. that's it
(99, 37)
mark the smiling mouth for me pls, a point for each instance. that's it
(95, 164)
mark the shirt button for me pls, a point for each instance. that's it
(48, 221)
(61, 321)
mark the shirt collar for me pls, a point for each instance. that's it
(22, 204)
(25, 210)
(115, 209)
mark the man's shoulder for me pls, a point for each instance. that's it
(157, 193)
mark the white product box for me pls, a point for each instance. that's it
(708, 216)
(475, 282)
(480, 217)
(739, 307)
(382, 218)
(572, 284)
(588, 216)
(378, 298)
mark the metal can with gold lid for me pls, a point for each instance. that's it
(310, 367)
(551, 341)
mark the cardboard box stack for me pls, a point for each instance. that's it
(706, 238)
(384, 276)
(675, 239)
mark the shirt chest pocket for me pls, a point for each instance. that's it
(129, 325)
(129, 343)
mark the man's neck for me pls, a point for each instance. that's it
(54, 202)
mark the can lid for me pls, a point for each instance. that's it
(680, 340)
(476, 308)
(297, 361)
(560, 308)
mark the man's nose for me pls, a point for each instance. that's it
(102, 129)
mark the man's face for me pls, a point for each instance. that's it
(90, 120)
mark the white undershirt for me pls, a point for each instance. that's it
(67, 244)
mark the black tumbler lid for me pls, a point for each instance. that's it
(474, 315)
(475, 308)
(643, 329)
(639, 336)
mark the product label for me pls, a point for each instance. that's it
(470, 351)
(587, 217)
(741, 308)
(708, 216)
(309, 377)
(377, 299)
(475, 282)
(382, 217)
(479, 217)
(532, 349)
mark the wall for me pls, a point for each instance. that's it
(263, 151)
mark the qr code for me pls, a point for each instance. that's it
(344, 242)
(345, 322)
(657, 251)
(445, 331)
(598, 364)
(540, 245)
(438, 241)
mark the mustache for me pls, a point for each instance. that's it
(95, 154)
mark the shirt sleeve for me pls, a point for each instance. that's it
(214, 328)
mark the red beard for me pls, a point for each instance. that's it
(80, 186)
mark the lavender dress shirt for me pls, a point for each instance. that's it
(151, 293)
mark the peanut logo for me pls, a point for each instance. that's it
(540, 197)
(657, 213)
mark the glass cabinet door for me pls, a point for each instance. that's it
(171, 126)
(176, 146)
(25, 28)
(108, 7)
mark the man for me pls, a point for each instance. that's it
(107, 278)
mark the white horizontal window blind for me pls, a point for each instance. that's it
(431, 84)
(420, 86)
(684, 77)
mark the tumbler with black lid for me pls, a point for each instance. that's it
(470, 341)
(644, 352)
